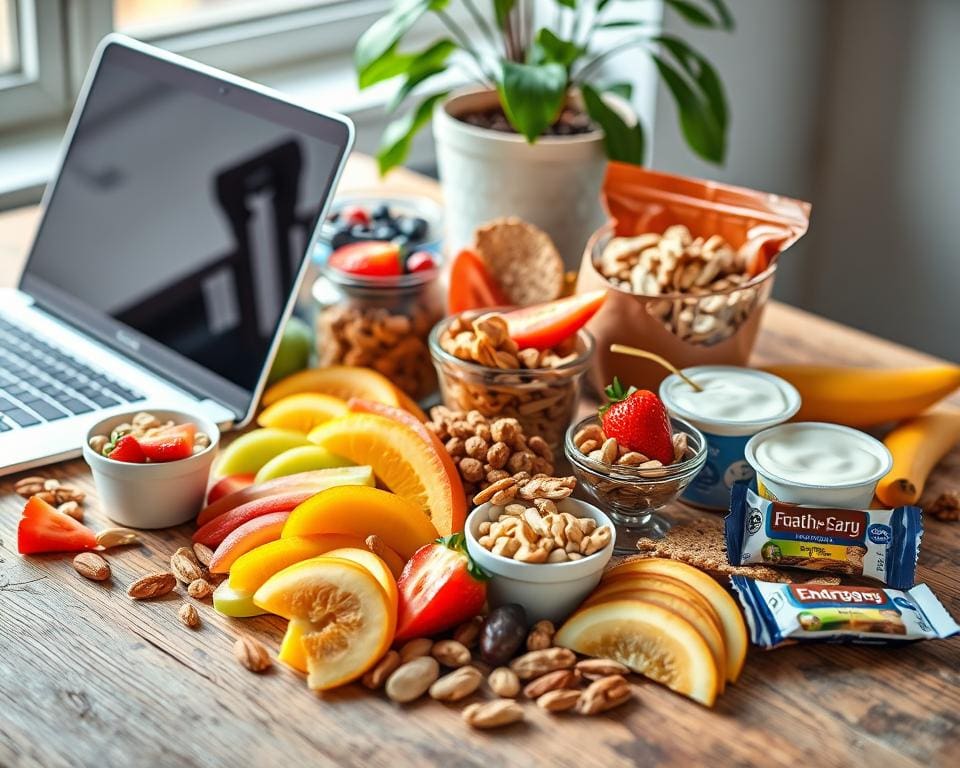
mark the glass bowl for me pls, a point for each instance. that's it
(632, 496)
(543, 400)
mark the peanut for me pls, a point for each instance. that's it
(457, 684)
(492, 714)
(412, 679)
(504, 682)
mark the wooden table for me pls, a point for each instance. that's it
(89, 677)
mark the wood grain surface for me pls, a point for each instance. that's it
(89, 677)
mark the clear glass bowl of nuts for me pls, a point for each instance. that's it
(631, 488)
(481, 369)
(381, 323)
(692, 299)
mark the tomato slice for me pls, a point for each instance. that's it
(542, 326)
(43, 529)
(170, 444)
(227, 485)
(128, 449)
(370, 258)
(471, 285)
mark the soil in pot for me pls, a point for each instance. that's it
(570, 123)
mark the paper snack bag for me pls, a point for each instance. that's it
(711, 324)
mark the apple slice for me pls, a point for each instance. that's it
(244, 538)
(649, 639)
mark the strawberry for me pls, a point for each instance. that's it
(439, 588)
(638, 421)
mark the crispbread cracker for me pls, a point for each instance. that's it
(700, 543)
(523, 259)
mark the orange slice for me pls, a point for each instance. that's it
(377, 567)
(342, 381)
(344, 617)
(648, 638)
(360, 511)
(734, 630)
(302, 412)
(402, 460)
(686, 609)
(250, 571)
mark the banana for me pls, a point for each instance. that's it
(917, 445)
(865, 397)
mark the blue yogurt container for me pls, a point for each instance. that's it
(735, 404)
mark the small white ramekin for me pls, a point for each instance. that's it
(856, 494)
(156, 495)
(545, 590)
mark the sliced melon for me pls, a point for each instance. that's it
(734, 629)
(649, 639)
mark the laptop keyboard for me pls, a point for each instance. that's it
(40, 382)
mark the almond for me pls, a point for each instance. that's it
(203, 553)
(559, 700)
(91, 566)
(188, 616)
(117, 537)
(184, 565)
(251, 654)
(152, 585)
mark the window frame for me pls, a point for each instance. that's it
(38, 89)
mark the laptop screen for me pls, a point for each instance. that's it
(182, 214)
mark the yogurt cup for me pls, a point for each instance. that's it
(736, 404)
(820, 464)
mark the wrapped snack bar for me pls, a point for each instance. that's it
(782, 613)
(880, 544)
(690, 265)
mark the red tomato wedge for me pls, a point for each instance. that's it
(43, 529)
(542, 326)
(439, 588)
(170, 444)
(372, 258)
(471, 285)
(227, 485)
(128, 449)
(214, 532)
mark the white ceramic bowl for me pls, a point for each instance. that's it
(152, 495)
(545, 590)
(855, 493)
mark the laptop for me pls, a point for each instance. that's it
(173, 239)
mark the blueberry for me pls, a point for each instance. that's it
(414, 227)
(360, 232)
(380, 213)
(341, 238)
(384, 232)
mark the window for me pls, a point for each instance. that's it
(9, 38)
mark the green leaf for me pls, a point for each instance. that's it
(395, 144)
(550, 48)
(458, 543)
(532, 96)
(615, 393)
(692, 13)
(623, 90)
(423, 66)
(699, 124)
(502, 9)
(701, 72)
(621, 23)
(381, 38)
(726, 18)
(568, 3)
(622, 141)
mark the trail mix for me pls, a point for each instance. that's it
(541, 533)
(593, 443)
(393, 343)
(147, 439)
(542, 403)
(488, 451)
(709, 270)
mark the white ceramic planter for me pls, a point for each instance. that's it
(554, 183)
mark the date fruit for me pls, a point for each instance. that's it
(503, 632)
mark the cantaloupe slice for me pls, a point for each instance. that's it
(649, 639)
(734, 629)
(680, 604)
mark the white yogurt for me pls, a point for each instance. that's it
(735, 403)
(814, 463)
(731, 396)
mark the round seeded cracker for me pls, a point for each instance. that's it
(523, 258)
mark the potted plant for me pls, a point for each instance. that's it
(532, 137)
